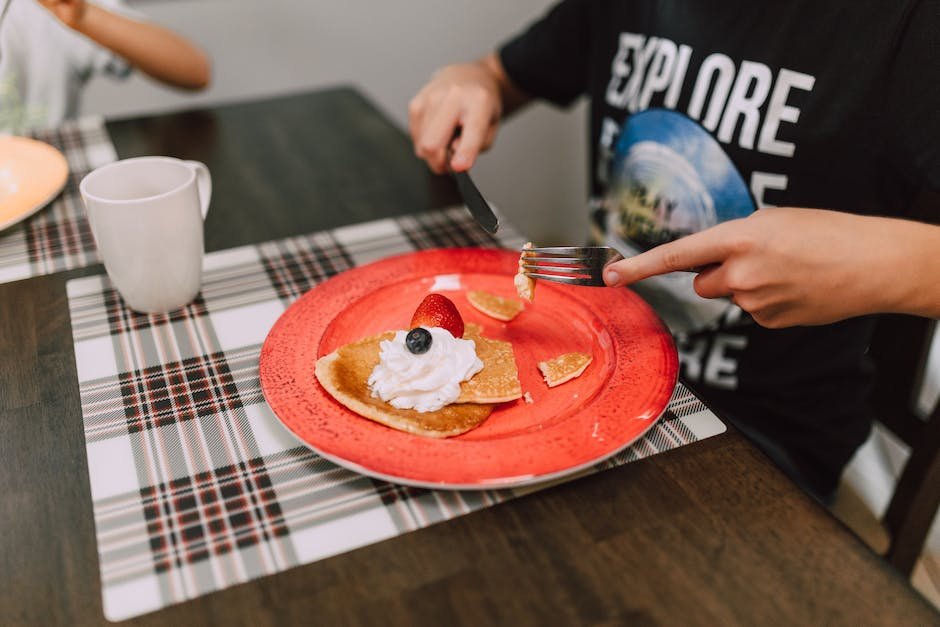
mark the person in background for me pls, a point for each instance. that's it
(49, 49)
(781, 151)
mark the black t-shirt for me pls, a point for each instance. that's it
(703, 111)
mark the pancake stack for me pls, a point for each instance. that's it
(344, 373)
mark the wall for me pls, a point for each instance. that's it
(387, 49)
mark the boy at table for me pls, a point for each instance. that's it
(715, 127)
(50, 48)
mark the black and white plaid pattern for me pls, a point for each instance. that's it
(196, 486)
(57, 237)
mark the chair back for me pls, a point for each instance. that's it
(899, 349)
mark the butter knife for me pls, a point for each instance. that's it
(476, 203)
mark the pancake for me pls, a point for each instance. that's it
(498, 382)
(494, 306)
(344, 373)
(562, 368)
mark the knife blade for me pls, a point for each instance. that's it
(476, 203)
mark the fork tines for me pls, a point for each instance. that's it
(572, 251)
(574, 265)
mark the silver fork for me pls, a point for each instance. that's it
(572, 265)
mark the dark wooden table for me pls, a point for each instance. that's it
(710, 533)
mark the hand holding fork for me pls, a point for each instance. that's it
(785, 266)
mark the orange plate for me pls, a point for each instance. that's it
(565, 429)
(32, 173)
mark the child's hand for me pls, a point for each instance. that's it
(69, 12)
(787, 266)
(465, 98)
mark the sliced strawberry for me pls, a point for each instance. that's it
(436, 310)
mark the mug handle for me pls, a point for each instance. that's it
(203, 183)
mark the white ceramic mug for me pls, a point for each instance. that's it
(146, 215)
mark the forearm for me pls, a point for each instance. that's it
(152, 49)
(910, 280)
(513, 98)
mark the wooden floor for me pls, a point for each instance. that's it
(926, 578)
(854, 512)
(864, 493)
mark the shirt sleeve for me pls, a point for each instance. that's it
(549, 59)
(910, 123)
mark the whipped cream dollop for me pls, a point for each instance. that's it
(424, 382)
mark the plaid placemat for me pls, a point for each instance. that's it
(57, 237)
(195, 484)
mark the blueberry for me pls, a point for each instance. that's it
(418, 340)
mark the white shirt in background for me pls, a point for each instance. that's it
(44, 66)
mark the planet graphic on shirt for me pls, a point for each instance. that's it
(669, 178)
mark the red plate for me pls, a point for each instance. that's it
(564, 429)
